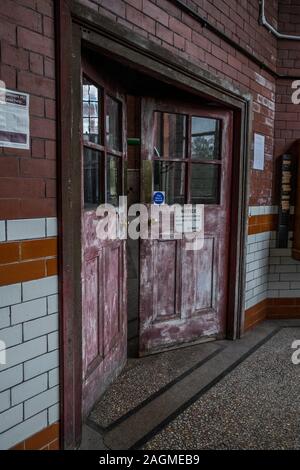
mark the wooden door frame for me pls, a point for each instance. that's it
(75, 25)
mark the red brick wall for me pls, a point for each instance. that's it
(178, 32)
(289, 16)
(164, 21)
(287, 128)
(27, 63)
(27, 177)
(27, 52)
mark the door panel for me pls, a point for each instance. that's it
(92, 327)
(105, 317)
(164, 290)
(111, 293)
(186, 152)
(104, 342)
(165, 287)
(198, 292)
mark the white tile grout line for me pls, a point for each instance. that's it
(262, 210)
(29, 229)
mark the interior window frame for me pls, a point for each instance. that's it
(188, 161)
(103, 149)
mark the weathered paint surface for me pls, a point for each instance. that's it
(183, 294)
(104, 304)
(104, 311)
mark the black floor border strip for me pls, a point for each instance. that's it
(290, 326)
(156, 394)
(95, 426)
(205, 389)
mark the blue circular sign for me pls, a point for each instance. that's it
(158, 197)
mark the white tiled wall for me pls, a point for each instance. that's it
(257, 267)
(29, 379)
(26, 229)
(2, 231)
(284, 277)
(270, 272)
(262, 210)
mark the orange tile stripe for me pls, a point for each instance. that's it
(38, 248)
(262, 223)
(27, 260)
(51, 266)
(47, 439)
(283, 308)
(255, 314)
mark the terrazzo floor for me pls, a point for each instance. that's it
(241, 394)
(256, 406)
(141, 378)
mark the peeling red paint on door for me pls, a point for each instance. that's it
(104, 312)
(104, 304)
(183, 294)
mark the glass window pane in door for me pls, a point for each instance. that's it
(91, 168)
(113, 180)
(205, 183)
(170, 177)
(205, 138)
(91, 96)
(170, 135)
(113, 124)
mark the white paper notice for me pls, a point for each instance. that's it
(259, 152)
(189, 219)
(14, 119)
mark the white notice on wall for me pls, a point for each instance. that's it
(14, 119)
(259, 152)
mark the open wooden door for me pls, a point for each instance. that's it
(186, 152)
(103, 261)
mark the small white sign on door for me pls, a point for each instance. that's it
(259, 152)
(14, 119)
(189, 219)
